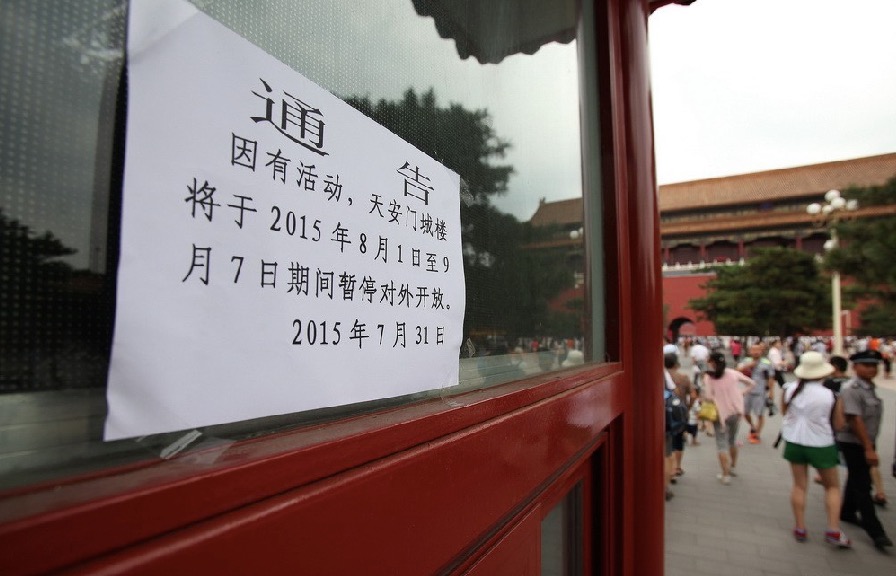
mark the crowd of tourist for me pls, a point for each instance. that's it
(831, 417)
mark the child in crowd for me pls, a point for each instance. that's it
(693, 422)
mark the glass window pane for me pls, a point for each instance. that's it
(562, 540)
(509, 127)
(60, 68)
(494, 97)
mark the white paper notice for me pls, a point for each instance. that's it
(280, 251)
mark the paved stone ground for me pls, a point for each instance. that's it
(744, 529)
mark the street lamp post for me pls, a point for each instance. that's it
(827, 214)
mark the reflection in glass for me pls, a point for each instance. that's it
(562, 540)
(524, 303)
(500, 107)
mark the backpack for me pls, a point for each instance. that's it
(676, 413)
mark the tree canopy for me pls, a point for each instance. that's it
(777, 292)
(461, 139)
(509, 284)
(52, 316)
(866, 254)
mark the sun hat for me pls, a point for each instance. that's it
(813, 367)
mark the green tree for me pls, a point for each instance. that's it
(508, 285)
(32, 279)
(461, 139)
(866, 255)
(778, 291)
(51, 314)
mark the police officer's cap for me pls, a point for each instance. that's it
(866, 357)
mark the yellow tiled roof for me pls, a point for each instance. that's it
(747, 189)
(773, 185)
(559, 212)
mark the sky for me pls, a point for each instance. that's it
(741, 86)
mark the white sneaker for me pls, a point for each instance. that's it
(726, 480)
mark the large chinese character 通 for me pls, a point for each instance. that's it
(297, 120)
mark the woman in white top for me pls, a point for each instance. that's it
(808, 428)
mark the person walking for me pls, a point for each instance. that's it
(887, 350)
(808, 428)
(668, 458)
(687, 394)
(722, 385)
(736, 348)
(863, 410)
(760, 369)
(699, 353)
(838, 377)
(776, 355)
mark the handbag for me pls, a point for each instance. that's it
(708, 411)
